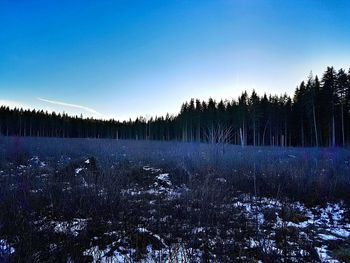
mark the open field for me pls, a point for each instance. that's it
(84, 200)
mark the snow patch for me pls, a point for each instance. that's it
(5, 248)
(78, 170)
(73, 227)
(323, 255)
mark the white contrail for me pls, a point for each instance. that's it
(71, 105)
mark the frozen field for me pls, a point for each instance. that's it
(82, 200)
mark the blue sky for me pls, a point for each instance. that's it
(121, 59)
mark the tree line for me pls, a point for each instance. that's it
(317, 115)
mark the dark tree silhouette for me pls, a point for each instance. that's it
(318, 115)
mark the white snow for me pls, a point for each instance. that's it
(66, 227)
(164, 178)
(197, 230)
(323, 255)
(5, 248)
(100, 255)
(327, 237)
(328, 220)
(78, 170)
(161, 185)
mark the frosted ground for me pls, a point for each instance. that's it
(127, 202)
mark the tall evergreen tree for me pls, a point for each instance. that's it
(328, 92)
(341, 90)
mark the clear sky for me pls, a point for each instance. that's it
(124, 59)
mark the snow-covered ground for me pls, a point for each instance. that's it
(321, 224)
(258, 226)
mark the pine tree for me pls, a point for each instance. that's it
(255, 114)
(329, 99)
(341, 90)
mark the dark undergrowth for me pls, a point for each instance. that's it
(61, 199)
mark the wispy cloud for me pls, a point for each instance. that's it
(87, 109)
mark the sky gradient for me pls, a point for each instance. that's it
(121, 59)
